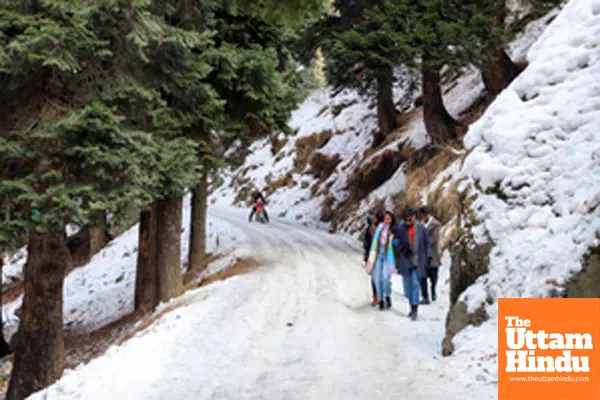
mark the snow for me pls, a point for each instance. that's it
(12, 269)
(103, 290)
(538, 143)
(298, 327)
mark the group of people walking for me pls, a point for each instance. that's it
(410, 248)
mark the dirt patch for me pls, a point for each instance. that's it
(193, 273)
(82, 347)
(420, 176)
(244, 194)
(242, 266)
(277, 144)
(476, 109)
(375, 173)
(305, 147)
(403, 120)
(327, 210)
(322, 166)
(286, 180)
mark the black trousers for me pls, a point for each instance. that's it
(432, 275)
(254, 212)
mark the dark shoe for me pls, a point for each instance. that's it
(388, 302)
(381, 305)
(433, 297)
(412, 311)
(425, 302)
(414, 314)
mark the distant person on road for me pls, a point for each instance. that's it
(258, 205)
(382, 260)
(373, 221)
(413, 251)
(433, 227)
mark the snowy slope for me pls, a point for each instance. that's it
(103, 291)
(353, 119)
(539, 144)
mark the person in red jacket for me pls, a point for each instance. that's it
(258, 206)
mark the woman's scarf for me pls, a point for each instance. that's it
(390, 257)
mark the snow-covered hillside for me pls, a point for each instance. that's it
(534, 174)
(297, 195)
(103, 290)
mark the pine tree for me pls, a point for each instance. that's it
(82, 136)
(253, 75)
(362, 49)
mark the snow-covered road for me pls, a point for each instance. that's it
(299, 327)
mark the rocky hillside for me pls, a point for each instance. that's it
(328, 175)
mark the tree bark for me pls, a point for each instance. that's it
(386, 111)
(88, 241)
(168, 248)
(146, 278)
(40, 347)
(198, 226)
(98, 235)
(499, 72)
(4, 347)
(440, 125)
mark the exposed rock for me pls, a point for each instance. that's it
(322, 166)
(305, 147)
(375, 173)
(458, 319)
(470, 260)
(586, 283)
(327, 210)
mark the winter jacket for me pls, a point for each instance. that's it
(390, 256)
(407, 251)
(434, 228)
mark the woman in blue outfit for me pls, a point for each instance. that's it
(382, 260)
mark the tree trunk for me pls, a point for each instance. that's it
(440, 125)
(500, 72)
(4, 347)
(198, 226)
(146, 278)
(168, 248)
(40, 346)
(386, 112)
(88, 241)
(98, 235)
